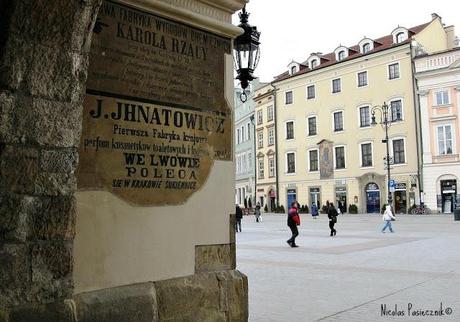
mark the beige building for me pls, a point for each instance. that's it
(327, 147)
(438, 78)
(266, 192)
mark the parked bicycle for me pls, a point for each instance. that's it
(420, 210)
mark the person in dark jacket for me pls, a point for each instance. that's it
(239, 216)
(314, 210)
(292, 223)
(332, 215)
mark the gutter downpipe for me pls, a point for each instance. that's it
(276, 145)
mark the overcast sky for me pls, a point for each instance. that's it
(292, 29)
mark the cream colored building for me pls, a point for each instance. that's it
(327, 148)
(438, 77)
(266, 192)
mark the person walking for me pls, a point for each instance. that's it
(388, 217)
(314, 210)
(332, 215)
(293, 220)
(257, 213)
(239, 216)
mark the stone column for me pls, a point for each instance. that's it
(43, 63)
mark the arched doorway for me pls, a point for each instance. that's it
(372, 198)
(271, 200)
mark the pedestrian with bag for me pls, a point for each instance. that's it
(257, 213)
(238, 216)
(332, 215)
(293, 220)
(388, 217)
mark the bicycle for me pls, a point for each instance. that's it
(420, 210)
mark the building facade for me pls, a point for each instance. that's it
(266, 160)
(328, 149)
(438, 77)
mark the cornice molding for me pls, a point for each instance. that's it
(213, 16)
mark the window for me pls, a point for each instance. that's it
(338, 121)
(293, 70)
(250, 160)
(260, 139)
(396, 111)
(271, 136)
(341, 55)
(289, 130)
(259, 117)
(271, 167)
(336, 88)
(289, 97)
(290, 158)
(313, 64)
(312, 125)
(398, 151)
(362, 79)
(444, 139)
(249, 131)
(270, 113)
(393, 71)
(261, 168)
(243, 134)
(311, 92)
(442, 97)
(244, 164)
(313, 157)
(364, 116)
(400, 37)
(366, 155)
(238, 136)
(366, 48)
(340, 157)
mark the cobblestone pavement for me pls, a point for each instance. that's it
(351, 277)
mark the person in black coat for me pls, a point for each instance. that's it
(332, 215)
(239, 216)
(293, 214)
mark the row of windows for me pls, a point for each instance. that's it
(336, 84)
(244, 163)
(271, 167)
(271, 137)
(270, 115)
(243, 133)
(396, 115)
(366, 156)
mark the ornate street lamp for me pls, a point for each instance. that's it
(246, 53)
(385, 111)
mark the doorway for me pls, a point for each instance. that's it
(315, 197)
(400, 198)
(341, 198)
(291, 196)
(448, 193)
(372, 198)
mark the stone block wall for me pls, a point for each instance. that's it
(44, 47)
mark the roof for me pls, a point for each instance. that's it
(380, 44)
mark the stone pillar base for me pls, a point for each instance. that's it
(214, 296)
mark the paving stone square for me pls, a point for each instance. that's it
(359, 275)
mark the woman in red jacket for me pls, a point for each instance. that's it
(293, 220)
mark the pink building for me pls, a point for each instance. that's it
(438, 78)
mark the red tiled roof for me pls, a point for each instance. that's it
(380, 44)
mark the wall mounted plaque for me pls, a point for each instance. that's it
(155, 115)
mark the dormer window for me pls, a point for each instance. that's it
(366, 48)
(313, 64)
(293, 70)
(400, 34)
(366, 45)
(341, 55)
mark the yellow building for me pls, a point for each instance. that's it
(266, 175)
(328, 149)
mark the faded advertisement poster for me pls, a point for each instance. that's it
(326, 161)
(155, 116)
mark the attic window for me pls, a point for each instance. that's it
(293, 70)
(400, 37)
(341, 55)
(313, 63)
(366, 48)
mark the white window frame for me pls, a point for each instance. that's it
(308, 125)
(271, 167)
(270, 112)
(285, 130)
(260, 117)
(308, 160)
(238, 136)
(361, 156)
(453, 134)
(399, 70)
(260, 138)
(359, 116)
(343, 121)
(367, 79)
(402, 110)
(286, 95)
(435, 99)
(332, 85)
(272, 131)
(344, 156)
(314, 92)
(260, 169)
(286, 163)
(392, 150)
